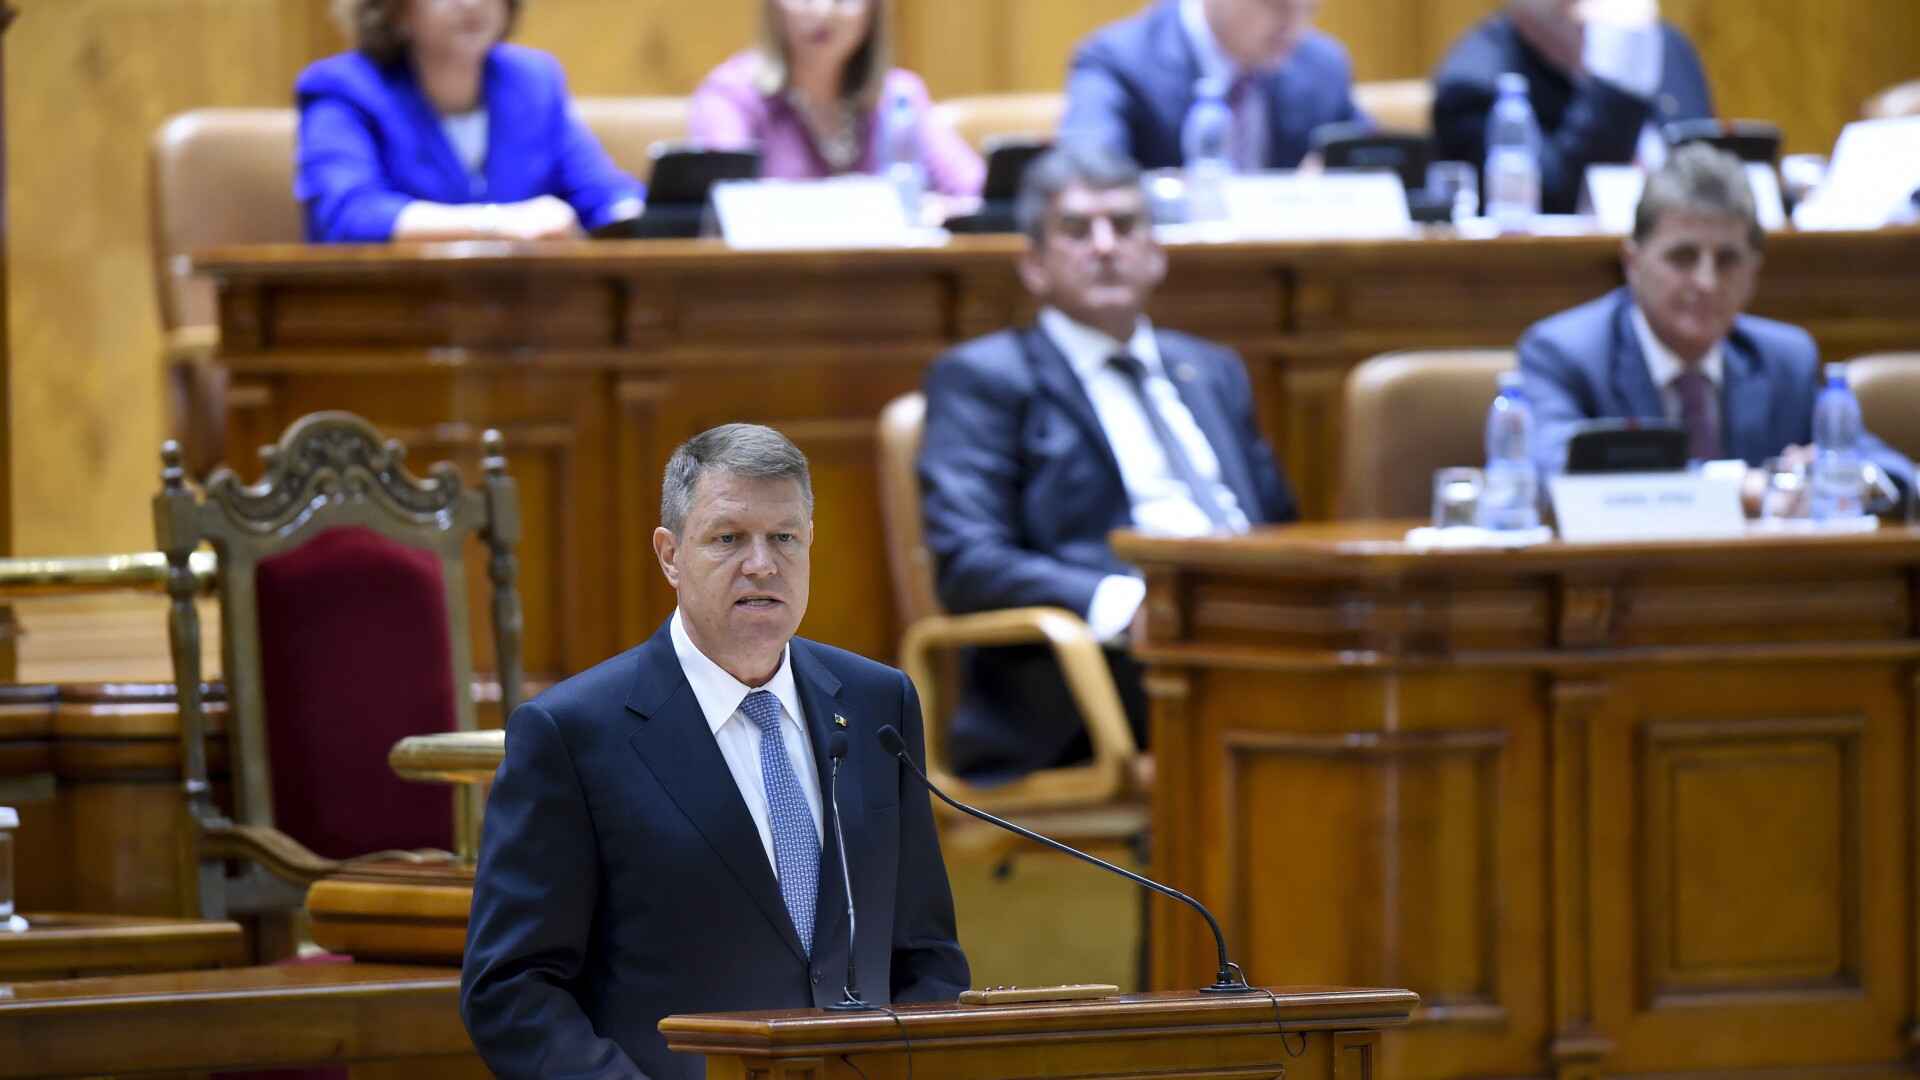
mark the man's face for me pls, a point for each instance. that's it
(1691, 277)
(1258, 34)
(1096, 261)
(740, 567)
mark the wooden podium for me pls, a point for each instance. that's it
(1296, 1033)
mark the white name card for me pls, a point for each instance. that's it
(1614, 193)
(1317, 206)
(843, 212)
(1647, 506)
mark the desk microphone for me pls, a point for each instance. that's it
(1230, 980)
(837, 752)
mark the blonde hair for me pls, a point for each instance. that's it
(374, 26)
(866, 69)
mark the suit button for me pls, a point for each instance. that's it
(816, 978)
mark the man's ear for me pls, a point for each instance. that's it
(1629, 259)
(1032, 274)
(665, 547)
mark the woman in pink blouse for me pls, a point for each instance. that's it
(812, 92)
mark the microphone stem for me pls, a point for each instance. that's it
(1224, 982)
(850, 994)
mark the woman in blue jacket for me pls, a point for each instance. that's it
(433, 129)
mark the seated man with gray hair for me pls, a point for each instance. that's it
(1673, 344)
(1042, 440)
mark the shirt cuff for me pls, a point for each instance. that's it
(1115, 600)
(1629, 58)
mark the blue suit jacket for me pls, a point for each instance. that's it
(1586, 363)
(370, 143)
(1131, 85)
(1020, 489)
(621, 878)
(1580, 124)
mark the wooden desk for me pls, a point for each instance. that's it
(63, 946)
(1606, 808)
(1308, 1032)
(241, 1018)
(596, 360)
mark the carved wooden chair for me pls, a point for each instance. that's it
(1101, 799)
(1407, 414)
(342, 587)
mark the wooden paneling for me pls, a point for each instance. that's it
(88, 81)
(1590, 853)
(598, 359)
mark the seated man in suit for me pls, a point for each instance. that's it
(1041, 441)
(1131, 83)
(1603, 77)
(657, 840)
(1673, 345)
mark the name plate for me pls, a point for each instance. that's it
(843, 212)
(1320, 206)
(1647, 506)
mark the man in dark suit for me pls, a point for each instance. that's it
(1602, 84)
(1041, 441)
(659, 838)
(1131, 83)
(1673, 345)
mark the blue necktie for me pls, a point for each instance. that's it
(796, 846)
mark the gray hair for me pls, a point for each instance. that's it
(746, 450)
(1070, 163)
(1698, 179)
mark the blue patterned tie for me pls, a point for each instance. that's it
(796, 846)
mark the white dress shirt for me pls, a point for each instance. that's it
(720, 695)
(1251, 118)
(1160, 503)
(1665, 366)
(467, 132)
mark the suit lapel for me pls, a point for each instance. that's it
(1196, 391)
(405, 82)
(676, 744)
(819, 698)
(1057, 381)
(1631, 379)
(1745, 403)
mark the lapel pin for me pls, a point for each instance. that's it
(838, 719)
(1183, 372)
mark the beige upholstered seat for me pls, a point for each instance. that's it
(1397, 104)
(1888, 386)
(629, 126)
(983, 116)
(1096, 800)
(1900, 99)
(1407, 414)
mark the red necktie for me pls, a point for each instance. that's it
(1696, 411)
(1242, 151)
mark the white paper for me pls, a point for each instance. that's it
(1646, 506)
(1876, 166)
(844, 212)
(1317, 206)
(1614, 193)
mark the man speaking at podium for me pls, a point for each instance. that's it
(660, 835)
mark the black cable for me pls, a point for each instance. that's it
(905, 1042)
(1279, 1025)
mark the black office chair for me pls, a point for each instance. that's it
(1748, 140)
(1406, 154)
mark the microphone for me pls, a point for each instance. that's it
(837, 753)
(1230, 979)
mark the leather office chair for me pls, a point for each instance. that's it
(342, 592)
(1100, 799)
(1400, 105)
(1407, 414)
(217, 176)
(1900, 99)
(1888, 386)
(982, 116)
(627, 127)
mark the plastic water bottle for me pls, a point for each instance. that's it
(1513, 157)
(901, 158)
(1511, 497)
(1204, 144)
(1836, 486)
